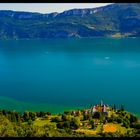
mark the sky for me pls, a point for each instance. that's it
(47, 7)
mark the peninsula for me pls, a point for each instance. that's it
(99, 120)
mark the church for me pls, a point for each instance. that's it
(102, 108)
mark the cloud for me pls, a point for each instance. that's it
(47, 7)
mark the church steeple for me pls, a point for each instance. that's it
(101, 103)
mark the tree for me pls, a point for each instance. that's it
(86, 116)
(119, 119)
(18, 117)
(92, 123)
(28, 129)
(133, 118)
(91, 105)
(66, 124)
(60, 125)
(96, 115)
(126, 123)
(30, 122)
(6, 128)
(130, 133)
(42, 114)
(48, 113)
(56, 119)
(75, 122)
(13, 117)
(114, 107)
(8, 116)
(73, 113)
(20, 131)
(78, 113)
(122, 107)
(67, 112)
(136, 125)
(109, 119)
(101, 117)
(26, 116)
(32, 116)
(4, 112)
(66, 117)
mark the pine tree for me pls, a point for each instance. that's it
(26, 116)
(122, 107)
(114, 107)
(13, 117)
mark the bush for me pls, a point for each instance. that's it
(75, 122)
(48, 113)
(67, 112)
(133, 118)
(26, 116)
(92, 123)
(56, 119)
(30, 122)
(86, 116)
(66, 117)
(126, 123)
(135, 125)
(40, 114)
(60, 125)
(119, 120)
(109, 119)
(96, 115)
(32, 116)
(66, 124)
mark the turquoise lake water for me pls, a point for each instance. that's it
(60, 74)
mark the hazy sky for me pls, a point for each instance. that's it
(47, 7)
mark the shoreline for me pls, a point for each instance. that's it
(55, 109)
(94, 37)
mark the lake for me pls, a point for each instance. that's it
(61, 74)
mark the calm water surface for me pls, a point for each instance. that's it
(58, 74)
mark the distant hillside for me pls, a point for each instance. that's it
(114, 20)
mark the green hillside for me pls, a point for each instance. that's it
(74, 123)
(115, 20)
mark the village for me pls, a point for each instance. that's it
(96, 111)
(102, 108)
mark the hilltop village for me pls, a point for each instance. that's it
(102, 108)
(100, 120)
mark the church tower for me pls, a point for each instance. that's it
(101, 103)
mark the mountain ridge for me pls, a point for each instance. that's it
(27, 12)
(114, 20)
